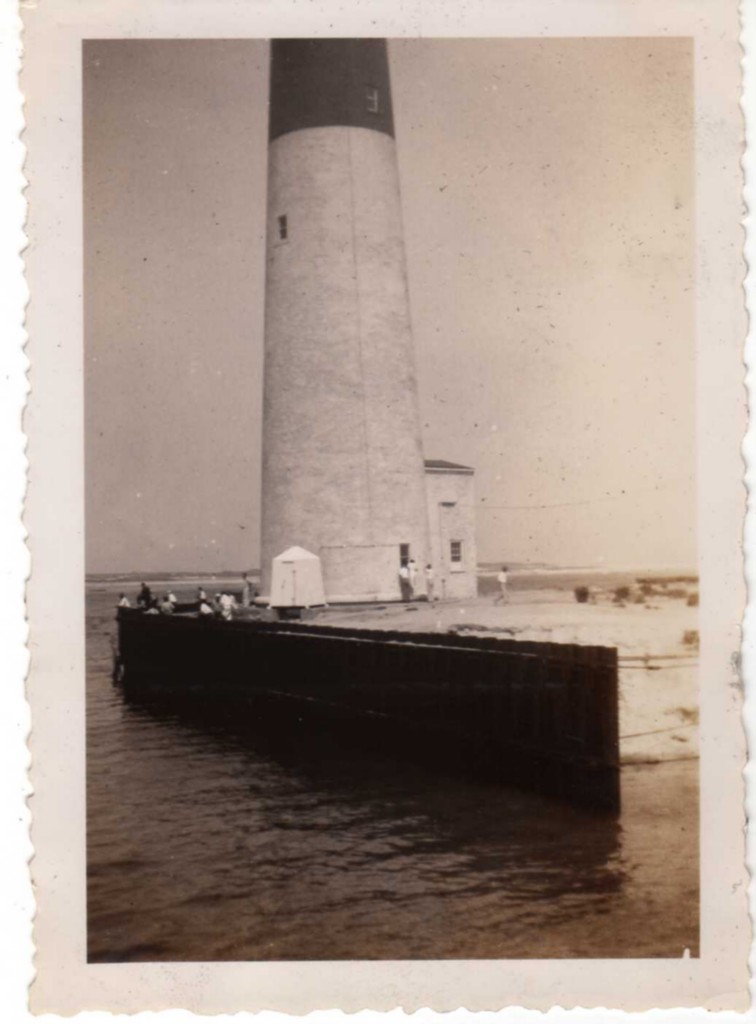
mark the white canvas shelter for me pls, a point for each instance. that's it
(297, 580)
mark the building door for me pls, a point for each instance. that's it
(447, 515)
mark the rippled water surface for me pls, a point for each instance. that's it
(210, 838)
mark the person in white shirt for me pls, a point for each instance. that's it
(430, 589)
(227, 604)
(123, 602)
(502, 579)
(412, 567)
(404, 581)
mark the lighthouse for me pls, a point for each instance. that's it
(343, 469)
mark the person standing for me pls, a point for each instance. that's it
(404, 581)
(246, 591)
(430, 583)
(144, 600)
(503, 580)
(412, 568)
(226, 604)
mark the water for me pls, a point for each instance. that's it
(214, 839)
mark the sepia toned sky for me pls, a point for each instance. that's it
(547, 194)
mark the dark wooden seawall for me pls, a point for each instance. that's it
(540, 715)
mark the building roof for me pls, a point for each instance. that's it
(442, 466)
(296, 554)
(319, 83)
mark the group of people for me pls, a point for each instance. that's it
(222, 606)
(408, 580)
(150, 604)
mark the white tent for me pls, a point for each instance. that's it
(297, 580)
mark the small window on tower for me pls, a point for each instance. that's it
(283, 227)
(372, 99)
(404, 554)
(456, 551)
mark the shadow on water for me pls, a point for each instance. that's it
(496, 829)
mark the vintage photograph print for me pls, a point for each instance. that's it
(390, 470)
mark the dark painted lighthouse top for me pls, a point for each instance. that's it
(315, 83)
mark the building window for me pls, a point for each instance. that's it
(283, 227)
(456, 551)
(372, 99)
(404, 554)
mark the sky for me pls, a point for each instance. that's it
(547, 195)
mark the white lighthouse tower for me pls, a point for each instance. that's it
(343, 473)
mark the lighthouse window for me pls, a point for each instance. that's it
(456, 551)
(283, 227)
(371, 99)
(404, 554)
